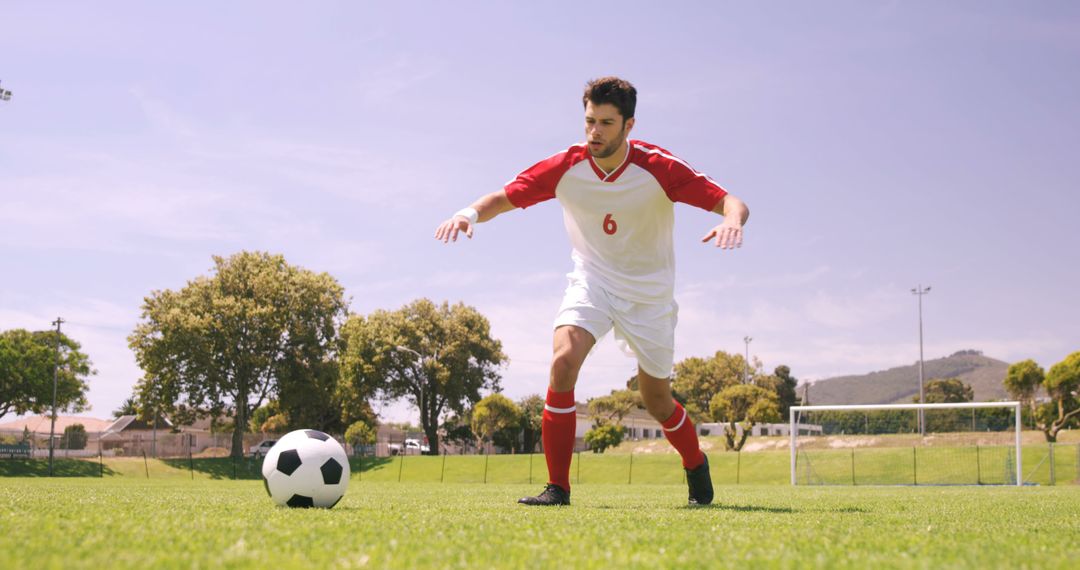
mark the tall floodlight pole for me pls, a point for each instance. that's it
(56, 371)
(746, 367)
(919, 292)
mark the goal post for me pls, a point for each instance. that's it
(800, 418)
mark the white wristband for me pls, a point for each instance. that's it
(469, 214)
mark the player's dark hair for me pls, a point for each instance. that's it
(618, 92)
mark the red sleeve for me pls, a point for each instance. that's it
(537, 183)
(680, 182)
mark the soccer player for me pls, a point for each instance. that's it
(618, 199)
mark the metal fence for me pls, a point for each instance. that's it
(1044, 464)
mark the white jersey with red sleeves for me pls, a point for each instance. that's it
(620, 224)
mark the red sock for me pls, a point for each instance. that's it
(557, 428)
(679, 430)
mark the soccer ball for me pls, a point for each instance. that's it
(306, 468)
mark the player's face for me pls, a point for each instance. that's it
(605, 129)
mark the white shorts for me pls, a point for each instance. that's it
(643, 330)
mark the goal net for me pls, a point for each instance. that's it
(973, 443)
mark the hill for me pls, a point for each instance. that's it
(899, 385)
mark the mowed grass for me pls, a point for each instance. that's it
(126, 522)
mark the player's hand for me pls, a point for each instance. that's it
(449, 230)
(728, 235)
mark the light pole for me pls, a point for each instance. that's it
(919, 292)
(746, 368)
(56, 370)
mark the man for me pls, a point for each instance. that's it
(618, 200)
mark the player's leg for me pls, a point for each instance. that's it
(649, 330)
(678, 427)
(680, 432)
(583, 319)
(559, 422)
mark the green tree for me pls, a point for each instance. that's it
(277, 423)
(615, 406)
(1062, 384)
(312, 397)
(532, 415)
(1023, 380)
(220, 345)
(436, 357)
(746, 405)
(74, 437)
(27, 361)
(456, 430)
(699, 379)
(493, 414)
(783, 383)
(127, 408)
(603, 435)
(260, 415)
(947, 391)
(360, 434)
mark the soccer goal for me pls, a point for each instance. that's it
(972, 443)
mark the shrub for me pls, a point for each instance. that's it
(360, 434)
(74, 437)
(603, 436)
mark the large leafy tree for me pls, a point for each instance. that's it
(310, 396)
(1023, 380)
(493, 415)
(225, 343)
(783, 383)
(947, 391)
(1062, 384)
(436, 357)
(699, 379)
(743, 404)
(27, 361)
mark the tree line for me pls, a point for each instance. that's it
(262, 345)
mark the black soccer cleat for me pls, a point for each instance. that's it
(700, 483)
(553, 496)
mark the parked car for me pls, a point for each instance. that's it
(262, 448)
(412, 447)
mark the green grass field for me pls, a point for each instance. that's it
(121, 522)
(460, 511)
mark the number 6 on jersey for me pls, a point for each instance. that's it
(610, 227)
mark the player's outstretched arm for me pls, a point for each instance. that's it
(729, 233)
(482, 210)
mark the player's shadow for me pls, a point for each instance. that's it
(742, 508)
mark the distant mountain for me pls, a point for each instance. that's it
(899, 385)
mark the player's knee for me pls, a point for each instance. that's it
(659, 405)
(564, 371)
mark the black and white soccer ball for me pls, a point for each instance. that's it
(306, 468)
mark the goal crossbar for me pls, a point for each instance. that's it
(794, 410)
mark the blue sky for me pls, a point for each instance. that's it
(879, 145)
